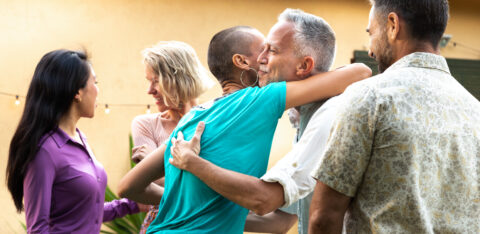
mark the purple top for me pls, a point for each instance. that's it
(64, 188)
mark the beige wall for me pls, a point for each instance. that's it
(114, 32)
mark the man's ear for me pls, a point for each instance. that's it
(305, 67)
(240, 61)
(393, 26)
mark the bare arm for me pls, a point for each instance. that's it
(327, 210)
(259, 196)
(324, 85)
(273, 222)
(138, 184)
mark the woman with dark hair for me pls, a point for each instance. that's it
(50, 164)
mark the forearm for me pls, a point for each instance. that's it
(247, 191)
(321, 222)
(324, 85)
(327, 210)
(152, 194)
(273, 222)
(138, 184)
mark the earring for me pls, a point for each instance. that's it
(241, 78)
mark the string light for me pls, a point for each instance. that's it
(17, 100)
(107, 106)
(148, 109)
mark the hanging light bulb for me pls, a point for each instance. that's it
(107, 110)
(148, 109)
(17, 100)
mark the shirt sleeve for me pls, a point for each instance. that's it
(118, 208)
(37, 189)
(274, 95)
(142, 132)
(293, 171)
(349, 147)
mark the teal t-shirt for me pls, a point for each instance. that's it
(238, 136)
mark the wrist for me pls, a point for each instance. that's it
(190, 160)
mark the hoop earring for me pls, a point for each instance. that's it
(241, 78)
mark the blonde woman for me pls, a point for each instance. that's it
(176, 80)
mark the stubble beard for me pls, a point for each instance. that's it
(385, 57)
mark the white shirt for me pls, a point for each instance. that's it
(293, 171)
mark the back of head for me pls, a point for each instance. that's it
(224, 44)
(181, 75)
(313, 37)
(426, 20)
(58, 77)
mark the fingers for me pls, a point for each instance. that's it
(180, 136)
(199, 131)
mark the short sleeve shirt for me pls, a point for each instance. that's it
(405, 146)
(238, 136)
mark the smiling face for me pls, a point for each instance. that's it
(278, 60)
(379, 48)
(88, 96)
(154, 90)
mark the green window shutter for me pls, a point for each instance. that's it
(467, 72)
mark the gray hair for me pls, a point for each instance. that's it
(313, 37)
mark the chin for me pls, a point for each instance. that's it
(162, 109)
(262, 83)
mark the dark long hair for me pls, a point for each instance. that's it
(58, 77)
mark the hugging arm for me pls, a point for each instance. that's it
(250, 192)
(324, 85)
(138, 184)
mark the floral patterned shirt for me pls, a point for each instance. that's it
(405, 146)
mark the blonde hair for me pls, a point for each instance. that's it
(181, 76)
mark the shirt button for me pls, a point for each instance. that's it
(98, 179)
(90, 159)
(96, 221)
(294, 164)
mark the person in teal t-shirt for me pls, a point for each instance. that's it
(242, 122)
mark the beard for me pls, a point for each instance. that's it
(385, 55)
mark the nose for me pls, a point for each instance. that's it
(262, 58)
(371, 54)
(151, 89)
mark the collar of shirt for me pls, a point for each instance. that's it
(61, 138)
(421, 60)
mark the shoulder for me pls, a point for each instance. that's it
(147, 121)
(147, 118)
(47, 151)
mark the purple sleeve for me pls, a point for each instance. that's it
(37, 190)
(118, 208)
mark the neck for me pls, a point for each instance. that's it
(407, 48)
(229, 86)
(177, 114)
(68, 123)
